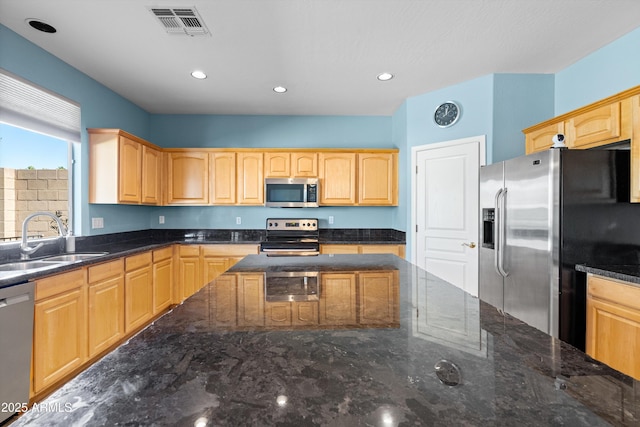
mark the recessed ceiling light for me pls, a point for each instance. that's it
(280, 89)
(198, 74)
(41, 25)
(383, 77)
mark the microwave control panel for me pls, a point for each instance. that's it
(312, 193)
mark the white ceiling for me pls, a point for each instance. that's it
(326, 52)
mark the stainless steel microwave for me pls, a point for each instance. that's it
(291, 192)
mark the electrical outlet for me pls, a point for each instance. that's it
(161, 219)
(330, 219)
(97, 222)
(238, 220)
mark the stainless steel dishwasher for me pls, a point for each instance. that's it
(16, 336)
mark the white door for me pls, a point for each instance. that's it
(445, 217)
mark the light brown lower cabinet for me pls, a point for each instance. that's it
(398, 250)
(162, 279)
(251, 300)
(106, 305)
(82, 313)
(613, 324)
(200, 264)
(294, 313)
(60, 332)
(337, 299)
(224, 301)
(378, 297)
(138, 291)
(189, 273)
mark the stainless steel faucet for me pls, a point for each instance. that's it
(25, 249)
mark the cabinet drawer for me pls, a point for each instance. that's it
(60, 283)
(162, 254)
(230, 250)
(189, 250)
(614, 291)
(138, 261)
(104, 271)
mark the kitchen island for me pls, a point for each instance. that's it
(437, 356)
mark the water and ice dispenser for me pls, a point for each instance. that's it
(488, 227)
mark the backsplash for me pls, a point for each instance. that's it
(362, 235)
(11, 251)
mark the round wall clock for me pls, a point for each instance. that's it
(447, 114)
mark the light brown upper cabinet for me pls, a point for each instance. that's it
(599, 126)
(610, 120)
(542, 139)
(126, 169)
(284, 164)
(122, 168)
(304, 165)
(188, 177)
(250, 178)
(362, 178)
(223, 174)
(277, 165)
(377, 179)
(607, 121)
(151, 176)
(337, 178)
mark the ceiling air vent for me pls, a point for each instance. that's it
(180, 20)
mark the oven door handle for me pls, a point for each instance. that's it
(287, 252)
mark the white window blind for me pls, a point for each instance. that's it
(26, 105)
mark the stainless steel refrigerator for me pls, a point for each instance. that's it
(542, 214)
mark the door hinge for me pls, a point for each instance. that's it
(416, 169)
(416, 228)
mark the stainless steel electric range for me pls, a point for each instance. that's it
(291, 237)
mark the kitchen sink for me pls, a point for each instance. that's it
(29, 265)
(68, 258)
(19, 267)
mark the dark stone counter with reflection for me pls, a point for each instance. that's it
(343, 340)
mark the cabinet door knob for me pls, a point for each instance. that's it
(471, 245)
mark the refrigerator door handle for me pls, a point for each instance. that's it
(502, 207)
(496, 232)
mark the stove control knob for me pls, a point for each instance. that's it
(276, 224)
(270, 224)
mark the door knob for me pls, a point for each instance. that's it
(471, 245)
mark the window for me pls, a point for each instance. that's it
(37, 131)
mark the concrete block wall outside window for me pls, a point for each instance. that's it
(24, 191)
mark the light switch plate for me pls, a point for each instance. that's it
(97, 222)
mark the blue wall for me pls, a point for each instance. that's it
(264, 132)
(519, 101)
(191, 131)
(497, 106)
(100, 107)
(612, 69)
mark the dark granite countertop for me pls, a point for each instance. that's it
(628, 273)
(188, 369)
(124, 244)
